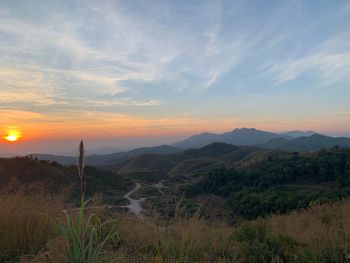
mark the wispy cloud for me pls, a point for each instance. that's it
(167, 58)
(331, 66)
(106, 45)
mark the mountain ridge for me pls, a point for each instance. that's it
(238, 136)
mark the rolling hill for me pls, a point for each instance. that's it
(187, 163)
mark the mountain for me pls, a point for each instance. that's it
(312, 143)
(105, 159)
(295, 134)
(243, 136)
(292, 141)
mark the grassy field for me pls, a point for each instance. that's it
(318, 234)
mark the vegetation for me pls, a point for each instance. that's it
(318, 234)
(280, 185)
(56, 178)
(296, 197)
(85, 236)
(23, 228)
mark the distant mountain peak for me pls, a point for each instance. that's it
(239, 136)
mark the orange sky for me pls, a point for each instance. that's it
(99, 125)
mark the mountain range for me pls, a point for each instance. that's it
(243, 136)
(293, 141)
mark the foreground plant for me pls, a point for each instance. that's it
(86, 235)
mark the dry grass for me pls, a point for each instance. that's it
(318, 234)
(324, 229)
(24, 229)
(184, 240)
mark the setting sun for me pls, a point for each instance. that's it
(12, 136)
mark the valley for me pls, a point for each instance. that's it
(243, 193)
(235, 179)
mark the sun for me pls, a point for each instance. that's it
(12, 136)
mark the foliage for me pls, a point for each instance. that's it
(278, 186)
(86, 236)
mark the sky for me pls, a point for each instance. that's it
(137, 73)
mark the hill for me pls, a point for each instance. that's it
(53, 177)
(163, 163)
(105, 159)
(279, 184)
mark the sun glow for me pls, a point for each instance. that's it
(12, 136)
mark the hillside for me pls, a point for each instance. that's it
(53, 177)
(195, 167)
(183, 163)
(279, 184)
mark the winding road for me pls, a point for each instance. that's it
(135, 204)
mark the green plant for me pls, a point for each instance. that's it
(86, 235)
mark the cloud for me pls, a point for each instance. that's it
(118, 56)
(326, 59)
(331, 68)
(98, 48)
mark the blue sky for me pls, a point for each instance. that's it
(166, 68)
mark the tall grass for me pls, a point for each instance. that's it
(85, 234)
(324, 231)
(186, 240)
(23, 229)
